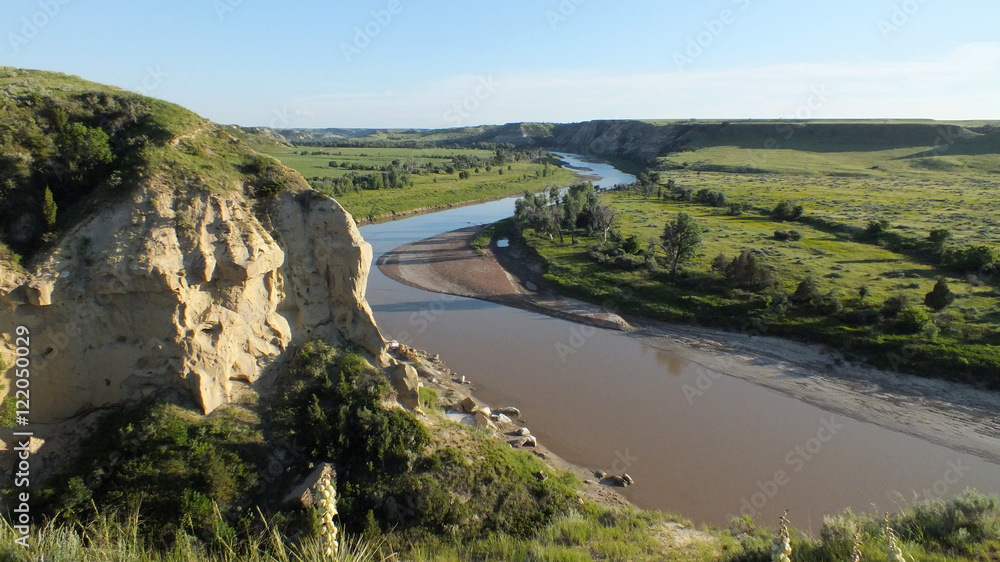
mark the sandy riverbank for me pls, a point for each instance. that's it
(953, 415)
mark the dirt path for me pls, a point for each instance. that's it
(953, 415)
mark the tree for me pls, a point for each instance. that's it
(746, 272)
(604, 218)
(681, 239)
(876, 230)
(49, 210)
(940, 297)
(807, 291)
(785, 211)
(719, 263)
(938, 237)
(83, 147)
(863, 293)
(648, 183)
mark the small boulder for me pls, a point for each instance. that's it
(305, 494)
(508, 411)
(527, 441)
(468, 405)
(616, 480)
(600, 474)
(479, 419)
(524, 431)
(628, 479)
(501, 419)
(406, 383)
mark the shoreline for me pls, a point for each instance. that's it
(956, 416)
(436, 375)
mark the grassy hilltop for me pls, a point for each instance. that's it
(68, 145)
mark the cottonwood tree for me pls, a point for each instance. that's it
(604, 218)
(681, 239)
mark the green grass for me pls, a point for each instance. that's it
(430, 191)
(965, 345)
(492, 232)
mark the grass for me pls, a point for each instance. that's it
(109, 538)
(491, 232)
(429, 190)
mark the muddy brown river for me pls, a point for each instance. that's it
(612, 402)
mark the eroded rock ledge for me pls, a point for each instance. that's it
(192, 290)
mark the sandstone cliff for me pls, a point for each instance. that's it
(185, 289)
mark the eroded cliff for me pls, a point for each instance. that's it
(186, 289)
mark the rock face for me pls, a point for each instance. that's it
(406, 383)
(185, 289)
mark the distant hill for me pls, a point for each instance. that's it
(715, 145)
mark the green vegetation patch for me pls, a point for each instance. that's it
(374, 183)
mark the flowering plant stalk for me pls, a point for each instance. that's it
(781, 545)
(327, 511)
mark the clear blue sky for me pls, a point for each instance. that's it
(445, 63)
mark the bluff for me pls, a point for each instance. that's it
(190, 263)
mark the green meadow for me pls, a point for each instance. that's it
(437, 177)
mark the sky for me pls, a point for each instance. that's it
(436, 64)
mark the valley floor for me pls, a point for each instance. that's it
(957, 416)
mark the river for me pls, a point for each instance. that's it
(617, 404)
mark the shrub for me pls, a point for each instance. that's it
(747, 272)
(794, 235)
(894, 305)
(719, 263)
(781, 235)
(736, 209)
(911, 320)
(940, 297)
(266, 175)
(866, 317)
(785, 211)
(978, 258)
(955, 525)
(876, 230)
(711, 198)
(613, 254)
(806, 292)
(632, 245)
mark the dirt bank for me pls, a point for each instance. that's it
(953, 415)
